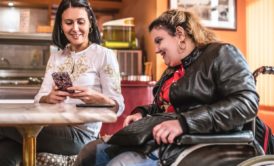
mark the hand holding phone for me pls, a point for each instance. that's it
(62, 81)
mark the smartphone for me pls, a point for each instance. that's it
(95, 105)
(62, 81)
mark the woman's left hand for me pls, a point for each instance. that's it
(90, 96)
(166, 132)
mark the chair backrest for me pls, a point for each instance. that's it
(263, 135)
(256, 73)
(263, 70)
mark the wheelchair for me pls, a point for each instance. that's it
(238, 148)
(233, 149)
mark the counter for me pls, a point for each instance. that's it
(18, 93)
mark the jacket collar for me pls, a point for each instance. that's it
(196, 52)
(187, 61)
(191, 57)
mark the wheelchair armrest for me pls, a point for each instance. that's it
(234, 137)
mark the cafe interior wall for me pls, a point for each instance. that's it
(260, 49)
(22, 20)
(145, 11)
(253, 35)
(238, 36)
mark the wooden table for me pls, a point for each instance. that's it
(30, 118)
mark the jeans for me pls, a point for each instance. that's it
(128, 158)
(64, 140)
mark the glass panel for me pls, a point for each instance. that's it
(23, 57)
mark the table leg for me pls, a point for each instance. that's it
(29, 133)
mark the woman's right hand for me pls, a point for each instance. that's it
(132, 118)
(55, 96)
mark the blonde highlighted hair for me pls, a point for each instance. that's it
(173, 18)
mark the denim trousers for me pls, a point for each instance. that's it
(128, 158)
(64, 140)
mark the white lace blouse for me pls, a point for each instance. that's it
(95, 67)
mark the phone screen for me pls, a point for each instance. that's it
(62, 81)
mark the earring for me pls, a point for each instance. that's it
(90, 29)
(62, 31)
(182, 45)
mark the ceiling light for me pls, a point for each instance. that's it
(10, 4)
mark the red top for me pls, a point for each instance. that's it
(164, 100)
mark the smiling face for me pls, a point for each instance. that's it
(167, 46)
(76, 26)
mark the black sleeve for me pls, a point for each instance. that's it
(239, 101)
(146, 110)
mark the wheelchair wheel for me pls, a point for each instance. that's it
(216, 155)
(267, 160)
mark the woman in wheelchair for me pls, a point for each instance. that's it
(207, 86)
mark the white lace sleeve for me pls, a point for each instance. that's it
(111, 80)
(47, 81)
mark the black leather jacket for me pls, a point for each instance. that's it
(216, 94)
